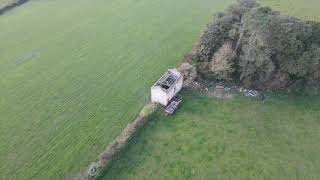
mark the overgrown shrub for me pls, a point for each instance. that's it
(273, 51)
(118, 144)
(94, 170)
(122, 140)
(222, 63)
(189, 73)
(148, 109)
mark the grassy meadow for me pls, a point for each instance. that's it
(74, 73)
(305, 9)
(239, 139)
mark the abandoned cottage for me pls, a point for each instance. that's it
(167, 87)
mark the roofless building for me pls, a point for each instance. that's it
(167, 87)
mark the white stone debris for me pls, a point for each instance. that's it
(251, 93)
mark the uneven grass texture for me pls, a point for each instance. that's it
(74, 73)
(239, 139)
(305, 9)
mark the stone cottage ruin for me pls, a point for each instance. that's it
(167, 87)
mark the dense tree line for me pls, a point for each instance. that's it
(261, 48)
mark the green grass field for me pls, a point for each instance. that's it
(305, 9)
(239, 139)
(4, 1)
(74, 73)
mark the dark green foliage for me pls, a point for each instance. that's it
(213, 37)
(224, 26)
(273, 51)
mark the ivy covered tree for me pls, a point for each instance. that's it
(272, 51)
